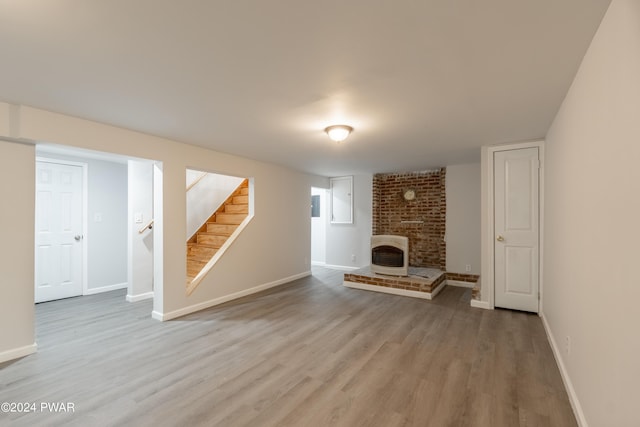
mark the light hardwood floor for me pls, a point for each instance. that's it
(311, 353)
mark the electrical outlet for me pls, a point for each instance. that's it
(353, 257)
(567, 344)
(467, 267)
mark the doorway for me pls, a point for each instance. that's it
(117, 236)
(319, 213)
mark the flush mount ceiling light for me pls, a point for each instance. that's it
(338, 133)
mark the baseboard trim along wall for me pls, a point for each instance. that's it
(573, 397)
(341, 267)
(480, 304)
(460, 283)
(16, 353)
(395, 291)
(139, 297)
(217, 301)
(92, 291)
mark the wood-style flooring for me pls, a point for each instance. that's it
(310, 353)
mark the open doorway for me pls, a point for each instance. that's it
(319, 212)
(104, 225)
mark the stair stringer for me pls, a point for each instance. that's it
(209, 265)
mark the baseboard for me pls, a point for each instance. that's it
(481, 304)
(319, 263)
(16, 353)
(92, 291)
(568, 385)
(221, 300)
(139, 297)
(341, 267)
(393, 291)
(461, 284)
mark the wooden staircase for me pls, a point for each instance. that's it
(204, 244)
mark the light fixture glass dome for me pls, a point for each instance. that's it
(338, 133)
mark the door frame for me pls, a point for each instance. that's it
(85, 210)
(488, 222)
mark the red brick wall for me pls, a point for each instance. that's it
(427, 247)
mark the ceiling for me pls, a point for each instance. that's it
(424, 83)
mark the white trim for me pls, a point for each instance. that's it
(85, 212)
(85, 227)
(342, 267)
(488, 270)
(139, 297)
(395, 291)
(16, 353)
(461, 284)
(564, 374)
(108, 288)
(157, 285)
(540, 226)
(216, 301)
(319, 263)
(481, 304)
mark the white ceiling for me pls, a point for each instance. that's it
(424, 83)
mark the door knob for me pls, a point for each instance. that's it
(78, 237)
(500, 238)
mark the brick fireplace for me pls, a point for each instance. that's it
(422, 219)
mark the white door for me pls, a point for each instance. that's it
(516, 248)
(59, 239)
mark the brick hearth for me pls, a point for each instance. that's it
(421, 282)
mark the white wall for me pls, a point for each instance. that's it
(346, 240)
(140, 202)
(592, 210)
(463, 218)
(206, 196)
(281, 214)
(106, 236)
(17, 216)
(463, 223)
(193, 176)
(107, 250)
